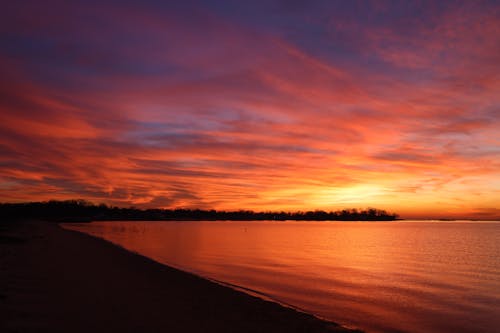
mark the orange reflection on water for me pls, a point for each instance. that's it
(378, 276)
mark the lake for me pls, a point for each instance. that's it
(411, 276)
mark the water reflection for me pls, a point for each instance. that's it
(388, 276)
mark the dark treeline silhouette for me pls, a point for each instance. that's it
(82, 211)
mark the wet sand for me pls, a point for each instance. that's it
(56, 280)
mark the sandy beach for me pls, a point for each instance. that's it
(55, 280)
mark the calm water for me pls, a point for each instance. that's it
(378, 276)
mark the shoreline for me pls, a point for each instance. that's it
(58, 280)
(238, 288)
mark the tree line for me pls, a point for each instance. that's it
(82, 211)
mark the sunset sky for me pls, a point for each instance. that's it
(264, 105)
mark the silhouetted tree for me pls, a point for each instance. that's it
(81, 210)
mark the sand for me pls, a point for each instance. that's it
(56, 280)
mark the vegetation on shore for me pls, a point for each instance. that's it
(81, 210)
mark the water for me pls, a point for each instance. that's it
(409, 276)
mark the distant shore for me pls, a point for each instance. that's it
(55, 280)
(84, 211)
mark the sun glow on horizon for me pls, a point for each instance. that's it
(349, 195)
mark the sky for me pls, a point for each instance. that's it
(263, 105)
